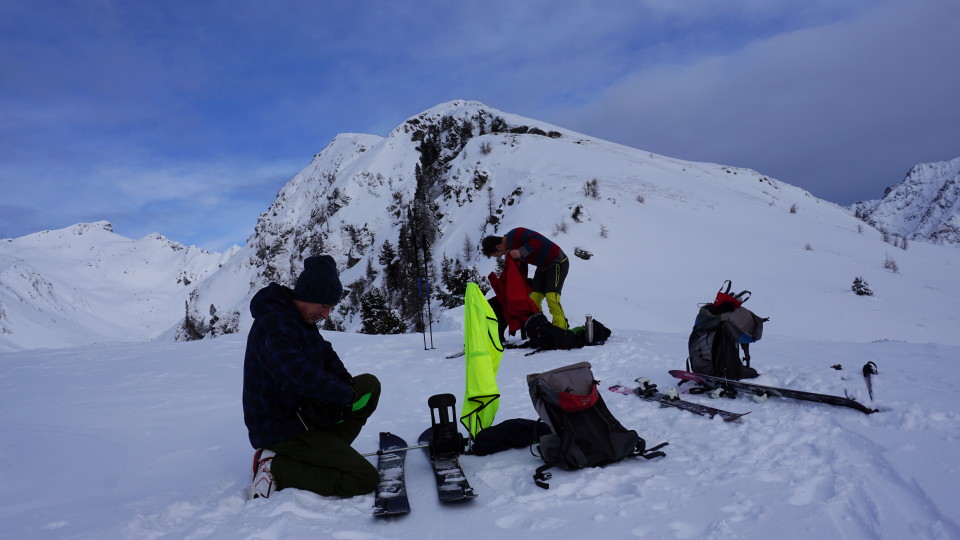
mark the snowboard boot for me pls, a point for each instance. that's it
(263, 484)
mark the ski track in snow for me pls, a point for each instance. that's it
(147, 441)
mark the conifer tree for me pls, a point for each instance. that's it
(377, 317)
(860, 287)
(391, 268)
(454, 278)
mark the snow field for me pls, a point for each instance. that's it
(147, 441)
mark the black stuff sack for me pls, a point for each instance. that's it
(545, 336)
(509, 434)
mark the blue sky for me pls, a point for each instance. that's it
(186, 118)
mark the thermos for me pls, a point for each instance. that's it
(589, 328)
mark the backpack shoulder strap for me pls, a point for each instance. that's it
(649, 453)
(541, 476)
(725, 287)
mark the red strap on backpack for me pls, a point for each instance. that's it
(724, 296)
(571, 402)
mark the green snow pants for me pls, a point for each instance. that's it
(323, 461)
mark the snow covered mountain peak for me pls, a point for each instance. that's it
(925, 206)
(644, 230)
(480, 115)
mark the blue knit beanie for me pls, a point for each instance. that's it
(319, 283)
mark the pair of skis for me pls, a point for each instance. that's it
(443, 444)
(761, 391)
(649, 392)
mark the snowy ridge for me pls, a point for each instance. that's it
(86, 284)
(651, 216)
(925, 206)
(349, 200)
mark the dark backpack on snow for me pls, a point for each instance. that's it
(546, 336)
(720, 330)
(583, 432)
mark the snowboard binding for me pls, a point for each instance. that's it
(445, 440)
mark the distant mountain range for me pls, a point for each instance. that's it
(925, 206)
(649, 236)
(86, 284)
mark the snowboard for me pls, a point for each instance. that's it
(443, 446)
(391, 494)
(760, 390)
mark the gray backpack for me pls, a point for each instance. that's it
(583, 432)
(720, 330)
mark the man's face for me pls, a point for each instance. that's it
(501, 249)
(312, 313)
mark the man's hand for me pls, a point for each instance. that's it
(318, 415)
(515, 253)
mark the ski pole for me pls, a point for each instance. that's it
(416, 268)
(390, 451)
(426, 278)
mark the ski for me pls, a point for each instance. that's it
(759, 390)
(456, 354)
(443, 446)
(391, 494)
(649, 392)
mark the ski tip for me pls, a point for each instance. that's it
(425, 437)
(685, 375)
(389, 439)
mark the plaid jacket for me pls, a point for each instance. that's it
(534, 248)
(287, 363)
